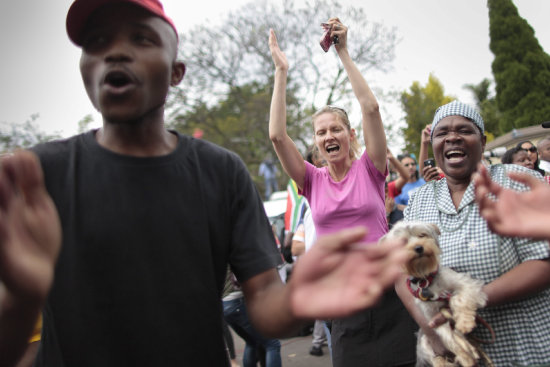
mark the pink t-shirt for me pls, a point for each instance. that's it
(356, 200)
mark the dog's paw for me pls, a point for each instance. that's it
(465, 360)
(465, 324)
(467, 350)
(440, 361)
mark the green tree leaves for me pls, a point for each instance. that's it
(25, 135)
(227, 89)
(521, 69)
(419, 104)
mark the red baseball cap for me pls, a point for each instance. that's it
(80, 11)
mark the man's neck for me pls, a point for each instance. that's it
(141, 140)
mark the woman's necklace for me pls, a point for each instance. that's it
(335, 178)
(441, 226)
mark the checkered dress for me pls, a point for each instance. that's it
(522, 328)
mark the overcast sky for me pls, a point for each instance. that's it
(39, 65)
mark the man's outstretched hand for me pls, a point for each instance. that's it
(30, 232)
(339, 276)
(513, 213)
(30, 238)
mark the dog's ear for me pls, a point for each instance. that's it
(435, 228)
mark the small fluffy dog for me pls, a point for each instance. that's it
(436, 287)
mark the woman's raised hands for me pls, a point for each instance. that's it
(341, 31)
(279, 58)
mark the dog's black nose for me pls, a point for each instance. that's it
(418, 249)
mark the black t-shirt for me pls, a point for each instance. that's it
(146, 242)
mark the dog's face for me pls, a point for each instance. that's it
(422, 246)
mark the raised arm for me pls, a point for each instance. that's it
(373, 130)
(30, 238)
(429, 173)
(401, 170)
(424, 145)
(289, 156)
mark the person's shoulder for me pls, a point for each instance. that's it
(499, 171)
(423, 194)
(422, 198)
(499, 174)
(59, 147)
(311, 169)
(427, 188)
(210, 156)
(206, 149)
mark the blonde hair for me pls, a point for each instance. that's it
(342, 115)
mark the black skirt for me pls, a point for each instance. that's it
(384, 335)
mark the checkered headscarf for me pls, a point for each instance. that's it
(457, 108)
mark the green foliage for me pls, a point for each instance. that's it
(487, 107)
(521, 69)
(480, 91)
(240, 124)
(236, 52)
(83, 124)
(227, 89)
(22, 135)
(419, 105)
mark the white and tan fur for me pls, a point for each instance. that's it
(466, 295)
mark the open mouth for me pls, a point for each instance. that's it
(455, 155)
(117, 79)
(332, 148)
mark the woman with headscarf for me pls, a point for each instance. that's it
(516, 271)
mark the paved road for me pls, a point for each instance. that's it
(294, 352)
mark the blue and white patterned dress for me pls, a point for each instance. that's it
(522, 328)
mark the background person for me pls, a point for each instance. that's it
(393, 214)
(302, 241)
(345, 193)
(428, 173)
(235, 314)
(543, 148)
(516, 271)
(413, 181)
(532, 153)
(269, 172)
(517, 156)
(394, 187)
(230, 345)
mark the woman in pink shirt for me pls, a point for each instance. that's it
(347, 192)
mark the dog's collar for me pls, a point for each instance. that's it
(420, 288)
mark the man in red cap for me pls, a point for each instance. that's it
(121, 236)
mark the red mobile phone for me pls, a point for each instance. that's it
(326, 41)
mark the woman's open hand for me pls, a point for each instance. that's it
(278, 56)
